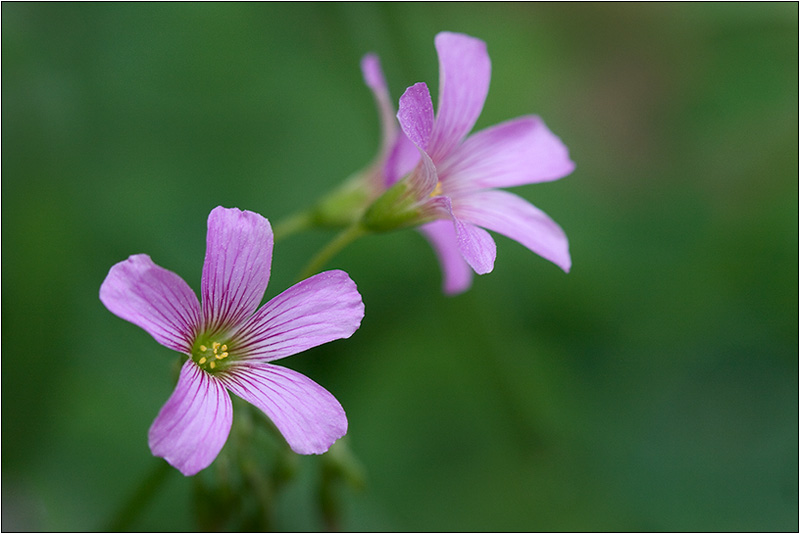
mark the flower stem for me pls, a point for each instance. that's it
(342, 239)
(139, 499)
(293, 224)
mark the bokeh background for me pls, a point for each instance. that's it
(655, 387)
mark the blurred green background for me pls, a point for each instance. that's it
(655, 387)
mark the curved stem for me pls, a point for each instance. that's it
(342, 239)
(293, 224)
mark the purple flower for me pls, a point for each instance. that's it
(455, 178)
(230, 343)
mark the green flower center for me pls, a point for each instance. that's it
(210, 354)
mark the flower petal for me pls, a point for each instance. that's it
(317, 310)
(416, 114)
(307, 415)
(435, 208)
(402, 159)
(516, 218)
(194, 424)
(476, 246)
(237, 266)
(153, 298)
(416, 120)
(373, 77)
(464, 74)
(456, 273)
(517, 152)
(373, 74)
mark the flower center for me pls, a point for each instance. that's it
(209, 354)
(436, 190)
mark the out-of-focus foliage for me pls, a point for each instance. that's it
(654, 387)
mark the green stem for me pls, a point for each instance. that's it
(342, 239)
(139, 499)
(293, 224)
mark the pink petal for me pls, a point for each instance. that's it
(416, 120)
(423, 178)
(317, 310)
(398, 153)
(237, 266)
(416, 114)
(373, 77)
(402, 159)
(373, 74)
(464, 74)
(457, 275)
(153, 298)
(517, 152)
(516, 218)
(476, 246)
(309, 417)
(194, 424)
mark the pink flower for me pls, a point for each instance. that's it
(456, 179)
(230, 343)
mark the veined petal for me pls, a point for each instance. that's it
(307, 415)
(416, 120)
(515, 217)
(317, 310)
(194, 424)
(476, 246)
(517, 152)
(373, 77)
(423, 178)
(402, 159)
(237, 266)
(464, 74)
(153, 298)
(416, 114)
(456, 273)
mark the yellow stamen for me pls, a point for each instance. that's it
(208, 356)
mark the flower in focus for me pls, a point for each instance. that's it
(454, 180)
(230, 343)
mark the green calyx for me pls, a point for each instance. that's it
(344, 206)
(396, 208)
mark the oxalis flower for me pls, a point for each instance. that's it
(454, 180)
(230, 344)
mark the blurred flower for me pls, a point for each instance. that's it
(397, 155)
(375, 80)
(229, 342)
(453, 181)
(346, 204)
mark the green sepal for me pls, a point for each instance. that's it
(344, 205)
(396, 208)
